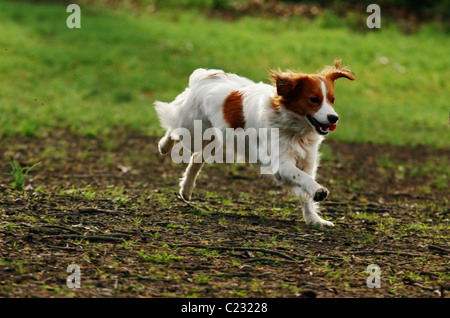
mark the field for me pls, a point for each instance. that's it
(77, 102)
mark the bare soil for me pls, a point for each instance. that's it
(110, 206)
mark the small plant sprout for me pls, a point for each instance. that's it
(19, 174)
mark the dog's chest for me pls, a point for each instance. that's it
(303, 151)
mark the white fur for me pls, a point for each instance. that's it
(326, 109)
(298, 141)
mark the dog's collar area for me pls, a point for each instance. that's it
(322, 129)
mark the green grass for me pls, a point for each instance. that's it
(19, 174)
(158, 257)
(109, 72)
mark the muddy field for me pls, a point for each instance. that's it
(110, 206)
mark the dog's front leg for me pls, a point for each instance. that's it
(311, 216)
(290, 174)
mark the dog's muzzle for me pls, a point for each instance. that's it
(323, 129)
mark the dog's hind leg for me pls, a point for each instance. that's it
(187, 182)
(166, 143)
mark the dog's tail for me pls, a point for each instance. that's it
(169, 113)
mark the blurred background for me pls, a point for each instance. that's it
(129, 53)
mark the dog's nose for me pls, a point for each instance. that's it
(333, 119)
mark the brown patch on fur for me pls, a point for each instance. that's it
(275, 102)
(214, 74)
(295, 91)
(233, 111)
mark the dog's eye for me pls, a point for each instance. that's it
(332, 100)
(314, 100)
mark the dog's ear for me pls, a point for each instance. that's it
(285, 82)
(333, 73)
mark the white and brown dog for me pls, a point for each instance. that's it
(300, 105)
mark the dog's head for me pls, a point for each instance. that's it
(311, 95)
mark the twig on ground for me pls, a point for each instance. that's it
(62, 228)
(91, 238)
(412, 282)
(384, 253)
(8, 233)
(88, 210)
(100, 175)
(231, 248)
(191, 205)
(269, 260)
(438, 248)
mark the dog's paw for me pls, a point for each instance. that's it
(184, 195)
(165, 145)
(161, 149)
(164, 148)
(326, 223)
(320, 222)
(321, 194)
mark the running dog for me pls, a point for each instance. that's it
(300, 105)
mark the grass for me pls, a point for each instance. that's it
(19, 174)
(159, 257)
(109, 72)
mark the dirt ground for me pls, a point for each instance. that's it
(110, 206)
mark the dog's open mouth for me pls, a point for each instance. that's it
(322, 129)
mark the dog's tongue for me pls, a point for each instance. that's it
(332, 127)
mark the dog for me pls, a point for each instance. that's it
(300, 105)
